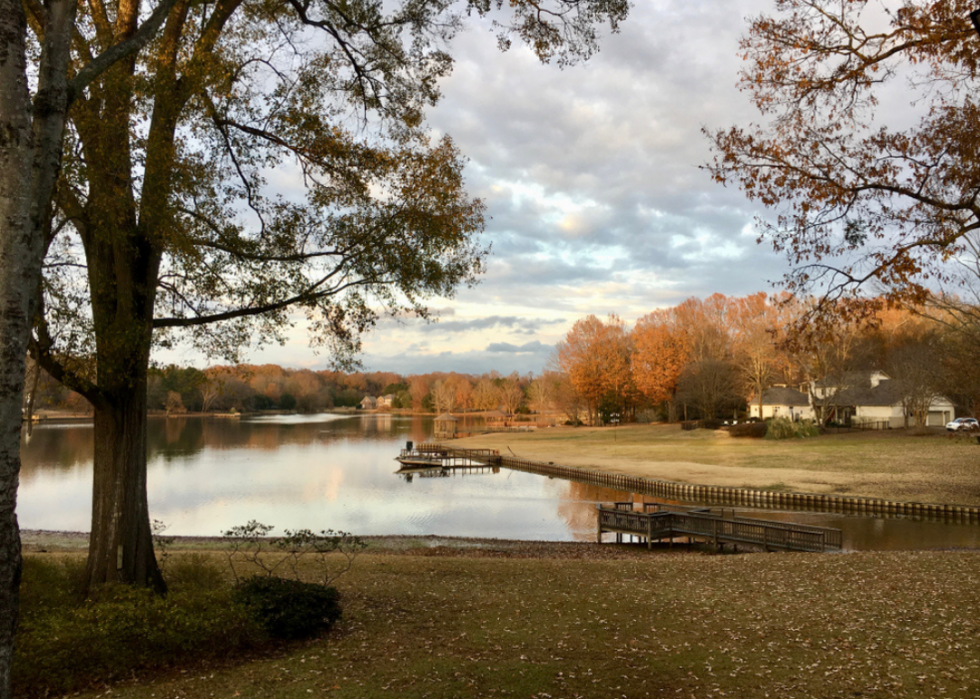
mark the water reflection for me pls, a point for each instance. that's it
(329, 471)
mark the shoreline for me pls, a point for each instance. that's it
(37, 541)
(900, 466)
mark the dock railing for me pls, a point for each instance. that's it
(669, 522)
(729, 496)
(657, 521)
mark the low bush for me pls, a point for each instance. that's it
(711, 424)
(194, 571)
(63, 645)
(50, 583)
(784, 428)
(249, 545)
(289, 609)
(755, 430)
(647, 416)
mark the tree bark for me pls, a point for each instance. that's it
(121, 544)
(16, 148)
(123, 268)
(30, 156)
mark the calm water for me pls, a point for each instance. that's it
(338, 472)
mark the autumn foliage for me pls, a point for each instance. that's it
(711, 357)
(862, 197)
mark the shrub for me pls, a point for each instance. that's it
(289, 609)
(194, 571)
(647, 416)
(784, 428)
(756, 430)
(249, 545)
(807, 429)
(50, 583)
(65, 647)
(711, 424)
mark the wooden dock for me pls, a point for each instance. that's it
(425, 457)
(658, 522)
(655, 521)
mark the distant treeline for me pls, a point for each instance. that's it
(702, 358)
(709, 358)
(246, 388)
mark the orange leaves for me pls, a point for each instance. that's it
(663, 349)
(830, 157)
(596, 357)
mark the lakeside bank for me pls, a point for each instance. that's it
(894, 465)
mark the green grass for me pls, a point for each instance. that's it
(611, 623)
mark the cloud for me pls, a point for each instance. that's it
(527, 348)
(476, 362)
(527, 326)
(595, 197)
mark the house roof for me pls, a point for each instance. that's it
(886, 393)
(446, 417)
(782, 395)
(851, 379)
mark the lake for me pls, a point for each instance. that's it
(206, 475)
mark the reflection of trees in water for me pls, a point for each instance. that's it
(56, 448)
(63, 448)
(576, 505)
(184, 436)
(174, 437)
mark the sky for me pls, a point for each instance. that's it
(595, 200)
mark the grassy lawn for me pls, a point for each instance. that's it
(585, 621)
(892, 464)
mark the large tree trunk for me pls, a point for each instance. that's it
(15, 178)
(123, 293)
(30, 148)
(121, 544)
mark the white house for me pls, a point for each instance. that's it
(859, 398)
(782, 401)
(879, 400)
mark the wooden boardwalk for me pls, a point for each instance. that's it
(658, 522)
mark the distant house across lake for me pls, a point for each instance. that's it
(860, 399)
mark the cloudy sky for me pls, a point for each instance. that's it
(595, 199)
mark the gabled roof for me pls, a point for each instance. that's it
(783, 395)
(851, 379)
(446, 417)
(886, 393)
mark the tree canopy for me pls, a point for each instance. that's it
(259, 159)
(866, 195)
